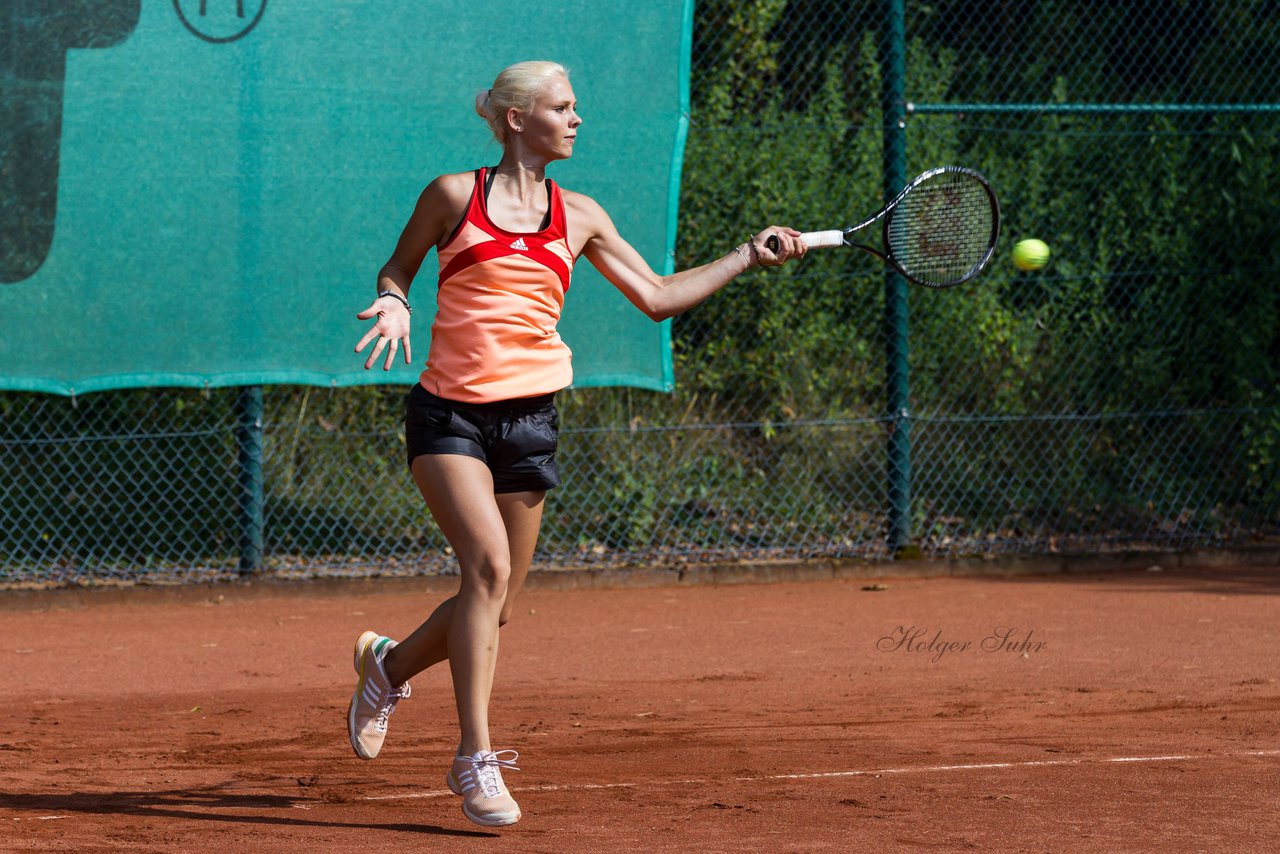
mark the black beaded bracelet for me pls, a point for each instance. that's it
(396, 296)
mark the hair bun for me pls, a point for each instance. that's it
(482, 103)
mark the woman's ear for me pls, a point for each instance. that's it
(515, 121)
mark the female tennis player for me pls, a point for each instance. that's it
(481, 423)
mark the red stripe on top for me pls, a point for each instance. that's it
(481, 252)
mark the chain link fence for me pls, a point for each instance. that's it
(1124, 397)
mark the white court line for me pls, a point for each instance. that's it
(919, 769)
(407, 796)
(549, 788)
(826, 775)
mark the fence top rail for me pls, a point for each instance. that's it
(1031, 107)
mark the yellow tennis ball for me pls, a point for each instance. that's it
(1030, 254)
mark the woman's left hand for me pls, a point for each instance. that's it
(790, 246)
(391, 328)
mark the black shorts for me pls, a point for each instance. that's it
(517, 439)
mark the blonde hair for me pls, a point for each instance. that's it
(516, 87)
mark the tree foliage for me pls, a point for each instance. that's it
(1161, 297)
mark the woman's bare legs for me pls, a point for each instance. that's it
(494, 537)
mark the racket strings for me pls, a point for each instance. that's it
(940, 232)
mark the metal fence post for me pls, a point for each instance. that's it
(893, 70)
(249, 496)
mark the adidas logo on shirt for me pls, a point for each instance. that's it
(519, 244)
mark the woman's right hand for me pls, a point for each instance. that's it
(391, 327)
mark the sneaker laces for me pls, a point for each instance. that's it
(489, 773)
(388, 706)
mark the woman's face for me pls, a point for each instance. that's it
(552, 122)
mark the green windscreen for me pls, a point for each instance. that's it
(201, 192)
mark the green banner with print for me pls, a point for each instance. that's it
(201, 192)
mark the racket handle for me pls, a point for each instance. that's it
(812, 239)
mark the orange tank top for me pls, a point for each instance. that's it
(498, 301)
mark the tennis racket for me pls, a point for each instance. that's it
(939, 231)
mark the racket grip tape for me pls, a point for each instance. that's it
(812, 239)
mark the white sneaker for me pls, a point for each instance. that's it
(478, 778)
(375, 698)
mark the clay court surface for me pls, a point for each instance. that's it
(689, 717)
